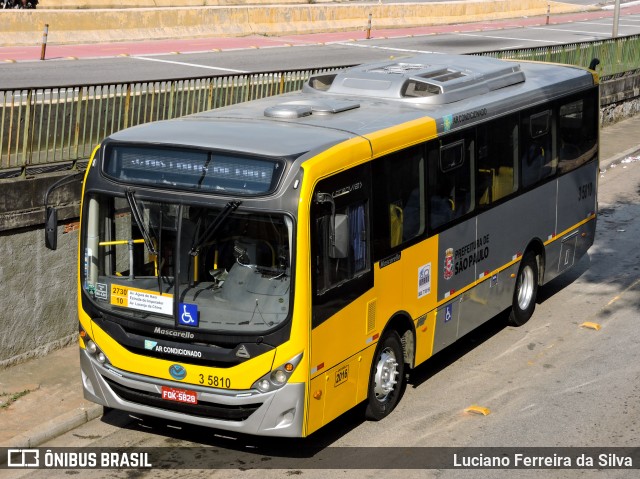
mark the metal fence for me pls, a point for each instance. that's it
(616, 55)
(49, 129)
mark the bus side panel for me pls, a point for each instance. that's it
(576, 209)
(425, 327)
(577, 196)
(338, 389)
(344, 335)
(446, 325)
(419, 292)
(507, 229)
(457, 271)
(504, 232)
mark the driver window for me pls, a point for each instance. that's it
(340, 230)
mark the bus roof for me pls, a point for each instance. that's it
(454, 90)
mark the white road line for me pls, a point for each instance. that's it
(362, 45)
(588, 32)
(624, 5)
(609, 24)
(188, 64)
(507, 38)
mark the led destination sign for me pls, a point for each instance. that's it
(192, 169)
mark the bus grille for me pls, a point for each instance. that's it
(202, 409)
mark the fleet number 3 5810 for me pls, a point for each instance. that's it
(215, 381)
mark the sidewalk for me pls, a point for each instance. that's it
(42, 398)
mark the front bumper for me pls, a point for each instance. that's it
(276, 413)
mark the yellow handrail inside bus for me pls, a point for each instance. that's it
(117, 242)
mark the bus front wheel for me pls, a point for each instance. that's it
(524, 296)
(386, 378)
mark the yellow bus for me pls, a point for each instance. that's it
(265, 267)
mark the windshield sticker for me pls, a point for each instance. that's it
(102, 291)
(188, 315)
(87, 254)
(424, 280)
(141, 299)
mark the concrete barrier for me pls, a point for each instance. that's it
(24, 27)
(93, 4)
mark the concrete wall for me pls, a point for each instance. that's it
(620, 98)
(38, 292)
(24, 27)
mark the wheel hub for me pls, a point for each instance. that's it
(525, 292)
(386, 372)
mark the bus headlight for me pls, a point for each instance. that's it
(278, 377)
(92, 348)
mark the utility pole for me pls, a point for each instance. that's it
(616, 19)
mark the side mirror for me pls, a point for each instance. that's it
(340, 247)
(51, 214)
(51, 228)
(339, 229)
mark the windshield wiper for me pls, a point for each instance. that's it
(200, 240)
(135, 212)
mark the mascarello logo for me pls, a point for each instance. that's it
(177, 372)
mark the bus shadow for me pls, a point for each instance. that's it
(457, 350)
(565, 279)
(176, 442)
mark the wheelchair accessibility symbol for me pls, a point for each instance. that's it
(448, 313)
(188, 314)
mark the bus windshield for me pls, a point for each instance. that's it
(232, 267)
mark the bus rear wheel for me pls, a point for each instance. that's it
(524, 296)
(386, 378)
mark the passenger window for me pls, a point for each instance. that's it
(496, 175)
(538, 161)
(399, 197)
(450, 184)
(578, 133)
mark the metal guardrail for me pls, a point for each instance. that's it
(53, 129)
(616, 55)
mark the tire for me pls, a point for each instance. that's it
(386, 379)
(524, 296)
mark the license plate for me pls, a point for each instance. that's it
(179, 395)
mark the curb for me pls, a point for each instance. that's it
(55, 427)
(618, 157)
